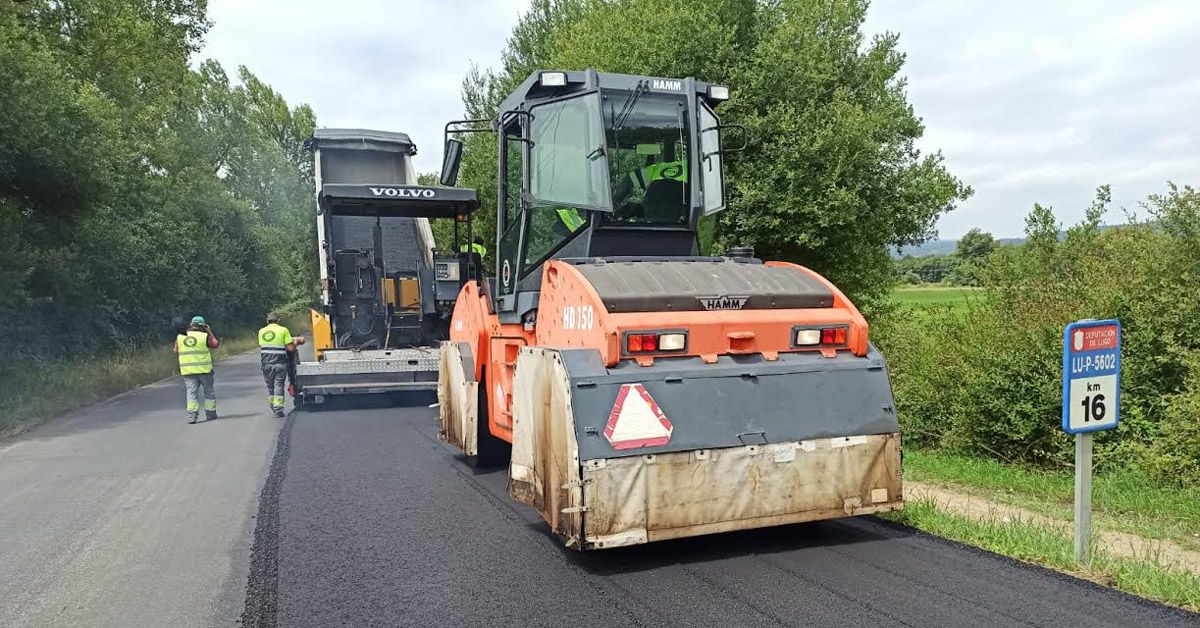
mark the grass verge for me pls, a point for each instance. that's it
(1122, 501)
(1048, 547)
(38, 389)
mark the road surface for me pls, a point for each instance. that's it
(123, 515)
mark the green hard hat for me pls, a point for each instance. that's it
(198, 320)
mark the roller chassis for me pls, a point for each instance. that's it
(759, 439)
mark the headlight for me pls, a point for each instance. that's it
(553, 79)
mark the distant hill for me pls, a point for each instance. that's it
(942, 247)
(947, 247)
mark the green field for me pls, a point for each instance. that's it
(935, 295)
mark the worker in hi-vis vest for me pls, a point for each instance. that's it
(639, 180)
(277, 348)
(475, 246)
(194, 347)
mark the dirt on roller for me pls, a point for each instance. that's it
(381, 524)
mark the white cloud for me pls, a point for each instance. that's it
(385, 64)
(1030, 101)
(1043, 101)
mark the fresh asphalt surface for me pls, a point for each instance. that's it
(122, 515)
(382, 524)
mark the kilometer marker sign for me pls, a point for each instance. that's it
(1091, 376)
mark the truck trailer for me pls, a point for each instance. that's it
(638, 390)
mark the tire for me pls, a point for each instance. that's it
(491, 451)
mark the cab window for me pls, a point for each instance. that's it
(712, 181)
(647, 142)
(568, 145)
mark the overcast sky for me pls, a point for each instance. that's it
(1029, 101)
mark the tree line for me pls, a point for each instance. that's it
(963, 267)
(831, 178)
(136, 189)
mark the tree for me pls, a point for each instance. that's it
(134, 189)
(975, 246)
(831, 178)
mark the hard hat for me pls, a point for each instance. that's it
(272, 317)
(198, 320)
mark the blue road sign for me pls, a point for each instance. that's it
(1091, 376)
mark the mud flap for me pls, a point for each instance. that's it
(544, 470)
(458, 397)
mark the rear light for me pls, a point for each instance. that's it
(643, 342)
(672, 342)
(808, 337)
(820, 336)
(833, 336)
(652, 341)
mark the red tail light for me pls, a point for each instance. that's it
(833, 336)
(641, 343)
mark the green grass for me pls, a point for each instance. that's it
(1048, 547)
(1122, 501)
(37, 389)
(934, 295)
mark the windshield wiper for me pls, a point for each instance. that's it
(627, 108)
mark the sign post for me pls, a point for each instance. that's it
(1091, 402)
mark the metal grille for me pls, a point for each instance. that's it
(395, 360)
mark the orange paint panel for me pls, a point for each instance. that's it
(572, 315)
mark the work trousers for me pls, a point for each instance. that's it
(194, 385)
(275, 374)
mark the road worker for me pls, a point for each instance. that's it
(474, 247)
(194, 347)
(277, 348)
(629, 194)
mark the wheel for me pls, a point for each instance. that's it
(490, 451)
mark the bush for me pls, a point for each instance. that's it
(986, 378)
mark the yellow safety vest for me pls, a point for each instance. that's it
(676, 170)
(194, 356)
(474, 247)
(570, 218)
(274, 338)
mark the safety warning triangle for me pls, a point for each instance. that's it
(636, 420)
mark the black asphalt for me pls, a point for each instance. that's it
(381, 524)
